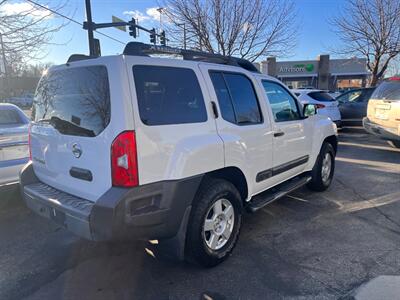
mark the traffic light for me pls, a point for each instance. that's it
(163, 40)
(132, 28)
(153, 36)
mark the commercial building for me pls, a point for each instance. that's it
(323, 73)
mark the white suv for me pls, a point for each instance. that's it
(133, 146)
(325, 103)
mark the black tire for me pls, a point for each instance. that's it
(317, 182)
(394, 144)
(210, 191)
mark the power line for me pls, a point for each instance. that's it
(72, 20)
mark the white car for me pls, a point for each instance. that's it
(133, 146)
(325, 103)
(14, 151)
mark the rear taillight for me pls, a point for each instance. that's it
(124, 168)
(394, 78)
(318, 106)
(29, 142)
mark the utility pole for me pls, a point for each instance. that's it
(3, 55)
(89, 22)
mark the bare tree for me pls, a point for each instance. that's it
(371, 28)
(25, 30)
(248, 29)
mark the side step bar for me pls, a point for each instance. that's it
(269, 196)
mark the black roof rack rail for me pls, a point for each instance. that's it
(141, 49)
(77, 57)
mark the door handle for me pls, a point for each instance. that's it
(278, 133)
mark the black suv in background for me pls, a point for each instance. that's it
(353, 105)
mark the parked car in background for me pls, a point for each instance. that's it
(24, 101)
(325, 103)
(383, 114)
(14, 151)
(353, 105)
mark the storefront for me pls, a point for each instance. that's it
(323, 73)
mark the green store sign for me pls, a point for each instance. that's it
(298, 68)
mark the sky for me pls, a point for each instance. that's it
(315, 34)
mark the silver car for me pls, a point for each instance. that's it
(14, 148)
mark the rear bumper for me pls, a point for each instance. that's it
(338, 123)
(380, 131)
(153, 211)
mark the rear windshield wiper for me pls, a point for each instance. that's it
(66, 127)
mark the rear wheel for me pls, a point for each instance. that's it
(394, 144)
(323, 170)
(215, 222)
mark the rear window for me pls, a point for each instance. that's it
(321, 96)
(387, 90)
(75, 101)
(9, 116)
(168, 95)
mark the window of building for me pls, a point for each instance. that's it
(237, 98)
(284, 106)
(168, 95)
(349, 83)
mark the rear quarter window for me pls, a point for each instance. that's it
(168, 95)
(387, 90)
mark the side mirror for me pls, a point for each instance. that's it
(309, 110)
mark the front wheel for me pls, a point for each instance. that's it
(215, 222)
(394, 144)
(322, 173)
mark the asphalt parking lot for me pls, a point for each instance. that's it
(307, 245)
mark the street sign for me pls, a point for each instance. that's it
(116, 19)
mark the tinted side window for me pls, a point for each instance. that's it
(224, 99)
(168, 95)
(283, 105)
(236, 97)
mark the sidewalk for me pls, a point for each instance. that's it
(379, 288)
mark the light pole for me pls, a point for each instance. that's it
(161, 10)
(92, 51)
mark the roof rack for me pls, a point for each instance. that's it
(77, 57)
(141, 49)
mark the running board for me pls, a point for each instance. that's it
(269, 196)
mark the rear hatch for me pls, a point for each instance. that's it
(384, 105)
(327, 104)
(70, 143)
